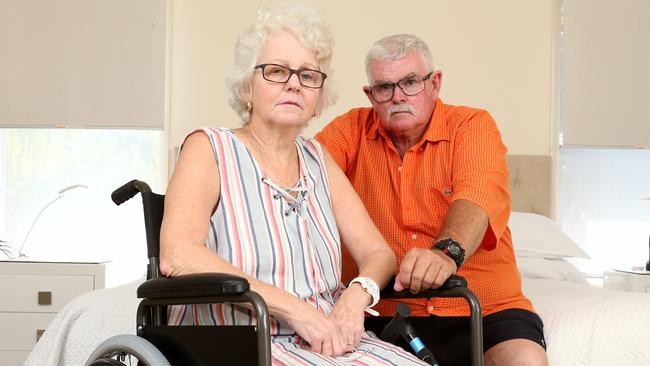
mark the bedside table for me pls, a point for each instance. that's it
(632, 280)
(31, 293)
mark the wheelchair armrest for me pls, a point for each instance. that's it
(200, 288)
(455, 286)
(192, 285)
(453, 281)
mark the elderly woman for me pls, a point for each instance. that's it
(263, 203)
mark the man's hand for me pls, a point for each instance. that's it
(423, 269)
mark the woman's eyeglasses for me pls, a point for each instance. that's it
(281, 74)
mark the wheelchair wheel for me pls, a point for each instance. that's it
(126, 349)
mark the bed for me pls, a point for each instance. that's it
(584, 325)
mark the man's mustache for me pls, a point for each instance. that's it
(401, 108)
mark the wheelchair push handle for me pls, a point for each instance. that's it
(128, 190)
(400, 326)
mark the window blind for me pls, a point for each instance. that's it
(82, 63)
(605, 73)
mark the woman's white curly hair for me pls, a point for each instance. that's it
(302, 20)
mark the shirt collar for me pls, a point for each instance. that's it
(437, 130)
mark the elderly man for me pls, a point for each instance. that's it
(434, 179)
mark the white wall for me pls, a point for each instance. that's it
(496, 55)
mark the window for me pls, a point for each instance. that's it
(603, 206)
(604, 135)
(81, 223)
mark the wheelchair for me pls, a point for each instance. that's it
(157, 344)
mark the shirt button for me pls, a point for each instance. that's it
(414, 236)
(399, 168)
(430, 308)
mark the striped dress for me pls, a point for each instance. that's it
(291, 243)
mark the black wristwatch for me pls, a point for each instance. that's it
(452, 249)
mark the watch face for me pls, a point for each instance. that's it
(453, 249)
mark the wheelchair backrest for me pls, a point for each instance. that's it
(154, 207)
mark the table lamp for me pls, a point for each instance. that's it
(62, 193)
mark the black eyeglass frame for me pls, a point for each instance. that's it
(291, 72)
(392, 93)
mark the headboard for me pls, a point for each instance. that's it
(530, 183)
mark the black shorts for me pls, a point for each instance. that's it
(448, 337)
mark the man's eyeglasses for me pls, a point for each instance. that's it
(281, 74)
(411, 85)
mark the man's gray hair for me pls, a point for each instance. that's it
(301, 19)
(394, 47)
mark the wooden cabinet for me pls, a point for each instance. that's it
(31, 293)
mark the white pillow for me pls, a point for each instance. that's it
(538, 236)
(552, 269)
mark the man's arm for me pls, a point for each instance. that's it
(465, 223)
(424, 268)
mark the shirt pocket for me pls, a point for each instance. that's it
(446, 192)
(437, 199)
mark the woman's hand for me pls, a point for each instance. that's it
(322, 334)
(348, 315)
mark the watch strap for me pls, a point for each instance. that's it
(371, 287)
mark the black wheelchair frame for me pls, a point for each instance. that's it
(196, 345)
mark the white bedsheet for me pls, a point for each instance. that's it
(583, 325)
(84, 323)
(589, 326)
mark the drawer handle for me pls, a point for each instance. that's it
(39, 334)
(45, 298)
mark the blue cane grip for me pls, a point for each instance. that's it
(416, 344)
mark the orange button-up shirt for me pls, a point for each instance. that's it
(460, 156)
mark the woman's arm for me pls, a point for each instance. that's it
(192, 197)
(367, 247)
(359, 234)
